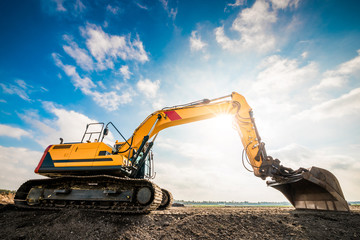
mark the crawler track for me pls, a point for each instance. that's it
(99, 193)
(167, 200)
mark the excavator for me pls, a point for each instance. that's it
(97, 176)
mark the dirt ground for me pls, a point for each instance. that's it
(6, 198)
(180, 223)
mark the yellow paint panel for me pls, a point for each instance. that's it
(103, 147)
(90, 151)
(76, 164)
(84, 150)
(78, 151)
(61, 151)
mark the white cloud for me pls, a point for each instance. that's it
(281, 99)
(80, 55)
(17, 166)
(346, 105)
(148, 88)
(172, 12)
(113, 10)
(101, 84)
(22, 84)
(196, 44)
(44, 89)
(288, 84)
(109, 100)
(281, 77)
(85, 84)
(6, 130)
(305, 54)
(71, 7)
(158, 103)
(106, 48)
(59, 5)
(79, 6)
(141, 6)
(112, 100)
(20, 89)
(124, 70)
(254, 27)
(237, 3)
(282, 4)
(338, 77)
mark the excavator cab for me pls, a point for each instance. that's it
(315, 188)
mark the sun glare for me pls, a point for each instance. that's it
(219, 133)
(221, 125)
(223, 120)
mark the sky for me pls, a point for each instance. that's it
(67, 63)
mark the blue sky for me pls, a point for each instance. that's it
(65, 63)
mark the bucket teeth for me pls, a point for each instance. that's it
(316, 189)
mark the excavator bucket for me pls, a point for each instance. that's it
(316, 189)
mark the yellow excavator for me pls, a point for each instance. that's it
(94, 175)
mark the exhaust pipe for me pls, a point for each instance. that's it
(316, 189)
